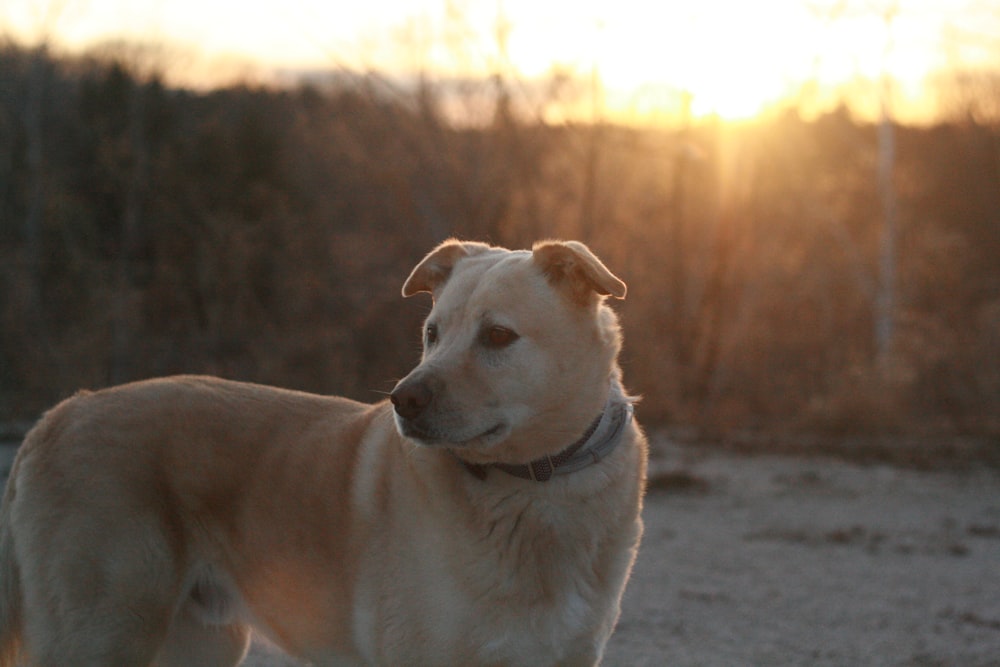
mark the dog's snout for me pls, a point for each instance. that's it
(411, 398)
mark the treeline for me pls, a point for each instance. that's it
(263, 234)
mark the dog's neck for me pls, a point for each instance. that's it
(599, 440)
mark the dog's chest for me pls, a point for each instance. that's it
(516, 590)
(533, 581)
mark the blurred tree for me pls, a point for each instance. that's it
(885, 300)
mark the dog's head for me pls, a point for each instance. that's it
(519, 349)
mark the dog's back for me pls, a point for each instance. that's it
(10, 585)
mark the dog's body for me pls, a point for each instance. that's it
(157, 522)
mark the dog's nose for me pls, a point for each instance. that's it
(410, 399)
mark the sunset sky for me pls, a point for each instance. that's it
(733, 57)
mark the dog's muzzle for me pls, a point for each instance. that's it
(412, 400)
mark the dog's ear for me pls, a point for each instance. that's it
(434, 269)
(571, 265)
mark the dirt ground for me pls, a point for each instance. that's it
(769, 560)
(784, 561)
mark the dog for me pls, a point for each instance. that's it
(487, 513)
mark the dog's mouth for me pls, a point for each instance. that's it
(498, 432)
(428, 437)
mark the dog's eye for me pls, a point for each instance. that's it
(430, 334)
(498, 337)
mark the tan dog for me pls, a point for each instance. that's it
(487, 515)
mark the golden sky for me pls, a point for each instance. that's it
(733, 57)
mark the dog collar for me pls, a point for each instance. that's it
(597, 442)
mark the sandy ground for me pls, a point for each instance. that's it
(771, 560)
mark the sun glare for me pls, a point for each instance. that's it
(729, 59)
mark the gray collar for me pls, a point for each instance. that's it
(596, 443)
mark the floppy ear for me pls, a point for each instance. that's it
(434, 269)
(571, 265)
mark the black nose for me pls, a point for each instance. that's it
(410, 399)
